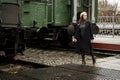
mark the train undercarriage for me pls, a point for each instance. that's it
(11, 41)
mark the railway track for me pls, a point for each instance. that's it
(60, 48)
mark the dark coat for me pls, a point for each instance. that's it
(83, 43)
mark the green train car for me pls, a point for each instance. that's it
(45, 20)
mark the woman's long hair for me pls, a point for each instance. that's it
(81, 20)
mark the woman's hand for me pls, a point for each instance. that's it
(74, 39)
(92, 40)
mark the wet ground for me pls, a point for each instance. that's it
(65, 72)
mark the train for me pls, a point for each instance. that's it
(42, 21)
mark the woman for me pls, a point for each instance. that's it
(84, 36)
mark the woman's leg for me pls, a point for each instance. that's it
(83, 58)
(93, 57)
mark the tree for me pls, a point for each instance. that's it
(106, 10)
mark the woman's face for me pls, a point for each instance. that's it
(85, 16)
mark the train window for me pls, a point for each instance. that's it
(78, 3)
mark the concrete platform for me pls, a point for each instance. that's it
(109, 63)
(105, 69)
(73, 72)
(7, 76)
(105, 43)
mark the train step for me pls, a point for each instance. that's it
(51, 34)
(49, 39)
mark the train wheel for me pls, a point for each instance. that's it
(21, 48)
(71, 29)
(11, 50)
(42, 34)
(10, 55)
(43, 43)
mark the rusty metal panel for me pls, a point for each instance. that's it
(9, 14)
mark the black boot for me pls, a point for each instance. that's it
(83, 59)
(93, 59)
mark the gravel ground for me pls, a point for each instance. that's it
(52, 57)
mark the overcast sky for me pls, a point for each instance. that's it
(114, 1)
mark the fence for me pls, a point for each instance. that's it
(109, 26)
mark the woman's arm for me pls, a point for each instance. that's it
(91, 31)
